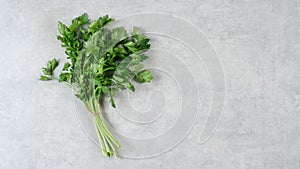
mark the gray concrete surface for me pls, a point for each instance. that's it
(258, 43)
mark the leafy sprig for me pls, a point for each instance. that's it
(100, 62)
(48, 70)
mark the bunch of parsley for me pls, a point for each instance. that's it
(100, 62)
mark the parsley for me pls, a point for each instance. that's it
(48, 71)
(101, 61)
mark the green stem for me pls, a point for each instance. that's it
(113, 139)
(112, 150)
(106, 148)
(106, 139)
(67, 83)
(99, 137)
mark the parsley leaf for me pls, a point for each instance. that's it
(143, 76)
(48, 70)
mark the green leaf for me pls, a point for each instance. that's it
(137, 68)
(104, 89)
(143, 76)
(62, 28)
(45, 78)
(64, 77)
(139, 57)
(111, 98)
(53, 64)
(135, 31)
(100, 23)
(119, 34)
(128, 85)
(66, 67)
(79, 21)
(48, 71)
(118, 79)
(92, 49)
(45, 71)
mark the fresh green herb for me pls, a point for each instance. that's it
(144, 76)
(48, 71)
(101, 61)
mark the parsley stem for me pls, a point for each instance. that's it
(102, 135)
(105, 138)
(99, 136)
(67, 83)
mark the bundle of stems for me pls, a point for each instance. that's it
(106, 139)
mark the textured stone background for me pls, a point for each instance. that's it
(258, 43)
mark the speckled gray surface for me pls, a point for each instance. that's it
(258, 44)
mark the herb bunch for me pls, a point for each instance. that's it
(100, 61)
